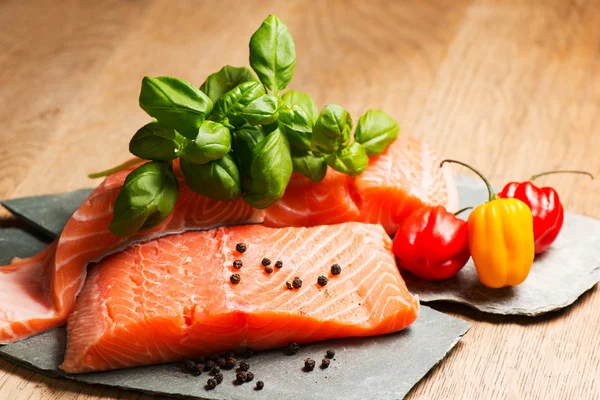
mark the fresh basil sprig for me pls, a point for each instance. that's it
(273, 54)
(235, 140)
(147, 197)
(270, 170)
(376, 131)
(212, 142)
(219, 179)
(154, 142)
(351, 160)
(175, 103)
(229, 107)
(221, 82)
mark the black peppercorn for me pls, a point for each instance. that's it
(336, 269)
(244, 366)
(211, 383)
(309, 364)
(265, 261)
(322, 280)
(230, 362)
(209, 365)
(268, 270)
(241, 247)
(278, 265)
(218, 377)
(189, 365)
(289, 285)
(249, 353)
(249, 376)
(220, 362)
(235, 279)
(216, 369)
(260, 385)
(330, 353)
(241, 376)
(237, 264)
(325, 363)
(297, 283)
(197, 370)
(293, 348)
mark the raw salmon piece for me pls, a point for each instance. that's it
(172, 298)
(405, 177)
(306, 203)
(402, 179)
(38, 293)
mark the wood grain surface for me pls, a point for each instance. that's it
(512, 87)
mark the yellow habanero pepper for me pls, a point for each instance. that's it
(500, 238)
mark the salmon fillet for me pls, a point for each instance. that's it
(38, 293)
(172, 298)
(405, 177)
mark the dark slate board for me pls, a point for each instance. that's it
(383, 367)
(48, 213)
(16, 242)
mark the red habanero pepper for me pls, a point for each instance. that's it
(432, 243)
(545, 205)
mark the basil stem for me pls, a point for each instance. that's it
(218, 179)
(147, 197)
(110, 171)
(376, 131)
(273, 54)
(154, 142)
(221, 82)
(175, 103)
(212, 142)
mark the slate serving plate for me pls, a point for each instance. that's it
(383, 367)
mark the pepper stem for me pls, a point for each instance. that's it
(112, 170)
(561, 171)
(463, 209)
(492, 195)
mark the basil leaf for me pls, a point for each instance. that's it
(296, 126)
(309, 165)
(232, 103)
(212, 142)
(273, 54)
(147, 197)
(154, 142)
(219, 179)
(304, 101)
(262, 111)
(351, 160)
(376, 131)
(270, 170)
(245, 139)
(332, 130)
(175, 103)
(224, 80)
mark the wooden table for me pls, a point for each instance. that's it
(511, 87)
